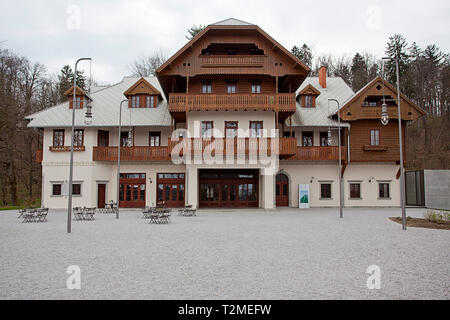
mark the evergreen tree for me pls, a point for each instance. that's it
(65, 81)
(304, 54)
(194, 30)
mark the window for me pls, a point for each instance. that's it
(151, 101)
(287, 134)
(383, 190)
(78, 102)
(256, 129)
(207, 128)
(256, 86)
(231, 129)
(206, 87)
(78, 137)
(308, 138)
(103, 138)
(375, 137)
(324, 139)
(154, 139)
(58, 138)
(76, 189)
(325, 191)
(231, 87)
(308, 101)
(355, 190)
(56, 189)
(125, 139)
(135, 101)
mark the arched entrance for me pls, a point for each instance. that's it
(282, 190)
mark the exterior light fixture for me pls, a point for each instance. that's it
(330, 139)
(384, 114)
(88, 114)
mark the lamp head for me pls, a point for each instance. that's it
(88, 114)
(384, 114)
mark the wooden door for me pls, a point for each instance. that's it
(282, 190)
(132, 190)
(101, 191)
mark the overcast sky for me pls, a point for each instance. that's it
(115, 32)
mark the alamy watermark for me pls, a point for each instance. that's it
(374, 280)
(73, 282)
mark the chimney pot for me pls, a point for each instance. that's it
(323, 76)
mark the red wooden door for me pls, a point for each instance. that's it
(132, 190)
(282, 190)
(101, 190)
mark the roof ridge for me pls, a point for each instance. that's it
(242, 22)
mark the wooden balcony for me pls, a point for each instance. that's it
(39, 156)
(183, 102)
(318, 153)
(232, 61)
(131, 153)
(284, 147)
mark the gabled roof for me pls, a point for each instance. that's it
(232, 22)
(105, 110)
(321, 114)
(141, 86)
(79, 91)
(309, 89)
(347, 104)
(225, 24)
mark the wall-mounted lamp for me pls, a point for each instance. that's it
(312, 178)
(150, 180)
(371, 179)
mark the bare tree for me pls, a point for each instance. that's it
(146, 66)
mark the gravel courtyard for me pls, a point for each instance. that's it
(225, 254)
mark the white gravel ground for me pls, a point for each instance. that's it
(225, 254)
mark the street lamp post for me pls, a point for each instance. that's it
(341, 198)
(118, 156)
(69, 205)
(384, 120)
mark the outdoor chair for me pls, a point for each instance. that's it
(41, 215)
(89, 213)
(29, 215)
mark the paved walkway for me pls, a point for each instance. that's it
(225, 254)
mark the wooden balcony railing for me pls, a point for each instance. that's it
(239, 146)
(232, 61)
(66, 148)
(183, 102)
(39, 156)
(318, 153)
(131, 153)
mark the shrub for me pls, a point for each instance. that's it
(434, 216)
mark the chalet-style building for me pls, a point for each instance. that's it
(234, 94)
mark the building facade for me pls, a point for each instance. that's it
(231, 120)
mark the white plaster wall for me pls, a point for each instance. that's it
(219, 118)
(304, 173)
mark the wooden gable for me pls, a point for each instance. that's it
(142, 86)
(309, 90)
(354, 109)
(79, 92)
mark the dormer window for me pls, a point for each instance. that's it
(80, 98)
(142, 95)
(150, 101)
(308, 101)
(308, 96)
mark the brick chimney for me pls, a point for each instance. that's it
(323, 76)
